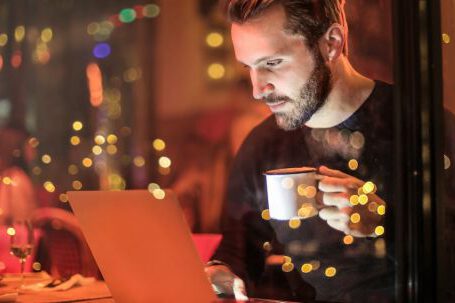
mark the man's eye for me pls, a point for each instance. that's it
(274, 62)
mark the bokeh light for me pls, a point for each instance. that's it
(159, 144)
(348, 239)
(46, 159)
(36, 266)
(357, 140)
(97, 150)
(127, 15)
(373, 207)
(3, 39)
(267, 246)
(265, 214)
(306, 268)
(11, 231)
(216, 71)
(111, 139)
(95, 84)
(214, 39)
(101, 50)
(164, 162)
(49, 186)
(36, 170)
(354, 199)
(16, 59)
(295, 223)
(368, 187)
(63, 198)
(111, 149)
(77, 185)
(75, 140)
(19, 33)
(151, 10)
(445, 38)
(93, 28)
(381, 210)
(73, 169)
(353, 164)
(99, 139)
(139, 161)
(447, 162)
(379, 230)
(159, 194)
(287, 183)
(87, 162)
(46, 35)
(330, 272)
(355, 218)
(287, 267)
(363, 199)
(77, 125)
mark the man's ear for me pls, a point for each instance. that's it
(332, 42)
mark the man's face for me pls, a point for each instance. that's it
(289, 76)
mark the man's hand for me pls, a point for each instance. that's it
(224, 281)
(348, 205)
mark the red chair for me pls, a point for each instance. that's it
(63, 250)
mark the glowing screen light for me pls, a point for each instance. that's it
(101, 50)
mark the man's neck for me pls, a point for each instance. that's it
(349, 90)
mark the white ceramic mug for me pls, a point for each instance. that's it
(291, 192)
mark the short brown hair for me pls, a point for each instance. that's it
(309, 18)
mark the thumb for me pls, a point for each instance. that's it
(239, 290)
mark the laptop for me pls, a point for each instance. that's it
(142, 245)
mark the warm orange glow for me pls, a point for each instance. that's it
(353, 164)
(294, 223)
(355, 218)
(330, 272)
(265, 214)
(287, 267)
(379, 230)
(307, 267)
(348, 239)
(95, 84)
(16, 60)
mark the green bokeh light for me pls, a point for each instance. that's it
(127, 15)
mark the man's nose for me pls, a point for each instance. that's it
(261, 86)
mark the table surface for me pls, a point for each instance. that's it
(96, 292)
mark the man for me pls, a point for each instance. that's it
(325, 116)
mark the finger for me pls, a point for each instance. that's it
(332, 213)
(332, 172)
(334, 184)
(239, 290)
(340, 200)
(338, 225)
(356, 233)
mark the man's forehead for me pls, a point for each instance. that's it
(253, 42)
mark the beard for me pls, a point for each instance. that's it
(311, 98)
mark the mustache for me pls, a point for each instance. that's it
(275, 99)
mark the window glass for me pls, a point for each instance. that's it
(448, 72)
